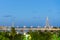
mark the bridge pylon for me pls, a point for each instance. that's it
(47, 23)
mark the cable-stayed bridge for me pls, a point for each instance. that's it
(46, 27)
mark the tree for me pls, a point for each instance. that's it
(18, 37)
(39, 35)
(3, 36)
(13, 32)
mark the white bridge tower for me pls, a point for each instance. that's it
(47, 23)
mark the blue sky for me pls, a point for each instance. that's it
(29, 12)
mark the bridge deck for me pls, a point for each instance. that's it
(32, 29)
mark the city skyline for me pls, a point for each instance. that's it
(29, 12)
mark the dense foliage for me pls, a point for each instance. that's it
(35, 35)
